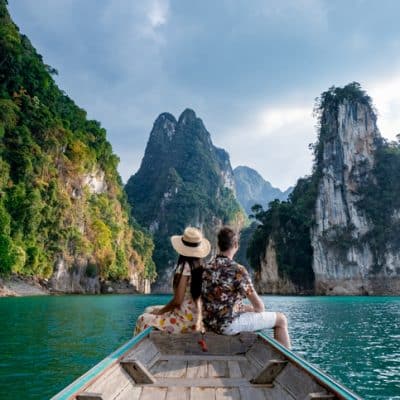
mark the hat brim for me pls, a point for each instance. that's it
(200, 251)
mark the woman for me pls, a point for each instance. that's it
(183, 313)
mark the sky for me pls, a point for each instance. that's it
(250, 69)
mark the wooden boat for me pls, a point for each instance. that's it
(161, 366)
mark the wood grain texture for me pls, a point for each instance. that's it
(153, 393)
(197, 393)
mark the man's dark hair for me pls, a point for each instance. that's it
(227, 238)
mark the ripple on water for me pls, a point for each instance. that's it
(47, 342)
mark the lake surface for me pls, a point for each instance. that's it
(46, 342)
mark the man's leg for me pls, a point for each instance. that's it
(281, 333)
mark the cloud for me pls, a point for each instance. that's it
(385, 94)
(250, 70)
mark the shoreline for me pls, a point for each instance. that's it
(24, 286)
(16, 286)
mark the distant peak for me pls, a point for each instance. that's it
(187, 116)
(162, 118)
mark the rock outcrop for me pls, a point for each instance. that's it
(343, 260)
(267, 279)
(252, 188)
(337, 229)
(183, 180)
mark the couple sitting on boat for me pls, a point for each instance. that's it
(210, 296)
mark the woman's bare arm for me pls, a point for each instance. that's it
(176, 301)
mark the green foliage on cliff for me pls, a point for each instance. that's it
(180, 183)
(288, 223)
(47, 149)
(380, 199)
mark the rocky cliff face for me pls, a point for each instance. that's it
(339, 229)
(64, 217)
(267, 279)
(251, 189)
(343, 260)
(183, 180)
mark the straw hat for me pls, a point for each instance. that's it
(191, 243)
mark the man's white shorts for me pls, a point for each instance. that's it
(251, 321)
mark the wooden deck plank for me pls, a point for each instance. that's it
(196, 369)
(234, 369)
(249, 370)
(130, 392)
(217, 369)
(152, 393)
(203, 382)
(110, 384)
(204, 357)
(178, 393)
(298, 383)
(176, 369)
(159, 369)
(147, 352)
(227, 393)
(251, 393)
(197, 393)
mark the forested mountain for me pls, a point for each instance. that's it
(252, 188)
(339, 231)
(63, 211)
(183, 180)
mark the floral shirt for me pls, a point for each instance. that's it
(225, 284)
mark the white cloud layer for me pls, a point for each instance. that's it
(250, 69)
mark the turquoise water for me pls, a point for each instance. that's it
(46, 342)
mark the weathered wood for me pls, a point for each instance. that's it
(251, 393)
(176, 369)
(178, 393)
(197, 393)
(188, 343)
(298, 383)
(227, 393)
(111, 383)
(138, 372)
(130, 392)
(159, 369)
(217, 369)
(249, 370)
(153, 393)
(89, 396)
(320, 396)
(203, 357)
(204, 382)
(269, 372)
(261, 352)
(234, 369)
(147, 352)
(197, 369)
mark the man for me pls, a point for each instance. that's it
(225, 284)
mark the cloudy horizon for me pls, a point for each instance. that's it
(250, 70)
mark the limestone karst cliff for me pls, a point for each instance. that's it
(183, 180)
(64, 217)
(339, 225)
(345, 261)
(252, 188)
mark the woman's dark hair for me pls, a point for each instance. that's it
(196, 270)
(227, 238)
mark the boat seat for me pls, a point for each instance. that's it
(137, 371)
(269, 372)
